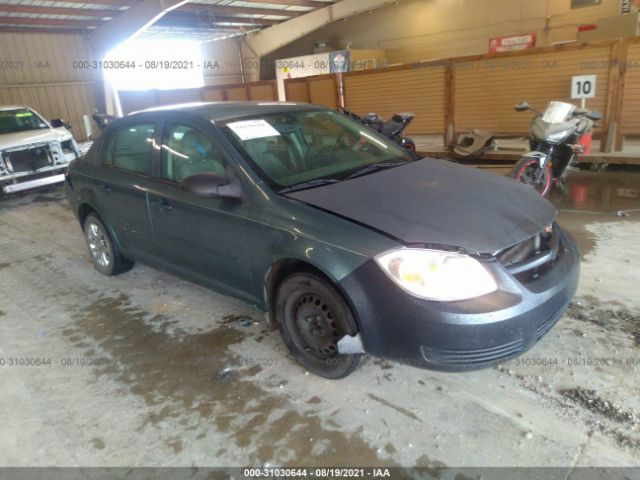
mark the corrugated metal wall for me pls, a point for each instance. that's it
(417, 90)
(486, 90)
(132, 101)
(323, 91)
(480, 91)
(416, 30)
(296, 90)
(631, 107)
(39, 71)
(317, 89)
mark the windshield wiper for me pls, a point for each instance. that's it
(374, 167)
(310, 184)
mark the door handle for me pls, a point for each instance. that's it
(164, 205)
(105, 187)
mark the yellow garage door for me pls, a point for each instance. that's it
(630, 124)
(417, 90)
(487, 90)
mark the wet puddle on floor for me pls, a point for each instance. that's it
(189, 378)
(592, 197)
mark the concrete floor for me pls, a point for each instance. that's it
(145, 369)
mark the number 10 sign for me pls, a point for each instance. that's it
(583, 86)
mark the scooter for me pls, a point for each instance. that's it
(555, 141)
(392, 129)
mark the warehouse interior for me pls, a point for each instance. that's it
(148, 369)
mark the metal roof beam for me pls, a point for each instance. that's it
(140, 16)
(226, 10)
(115, 3)
(83, 12)
(213, 19)
(58, 22)
(54, 30)
(277, 36)
(295, 3)
(215, 29)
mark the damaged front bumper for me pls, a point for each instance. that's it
(35, 165)
(462, 335)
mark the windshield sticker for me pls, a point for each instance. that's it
(250, 129)
(24, 114)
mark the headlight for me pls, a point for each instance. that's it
(437, 275)
(558, 136)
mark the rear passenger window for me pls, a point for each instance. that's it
(187, 151)
(130, 148)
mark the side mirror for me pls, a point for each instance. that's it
(59, 123)
(522, 107)
(211, 185)
(102, 119)
(594, 115)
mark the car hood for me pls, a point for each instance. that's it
(13, 140)
(437, 202)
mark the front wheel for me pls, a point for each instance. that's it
(313, 317)
(529, 172)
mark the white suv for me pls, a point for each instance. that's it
(33, 152)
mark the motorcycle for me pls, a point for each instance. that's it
(554, 139)
(392, 129)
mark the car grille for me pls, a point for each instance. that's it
(28, 160)
(439, 356)
(530, 259)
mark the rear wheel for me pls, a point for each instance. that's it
(313, 317)
(104, 252)
(528, 171)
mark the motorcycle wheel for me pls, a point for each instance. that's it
(526, 171)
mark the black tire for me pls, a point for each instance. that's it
(102, 250)
(312, 316)
(526, 171)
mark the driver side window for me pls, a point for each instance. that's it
(187, 151)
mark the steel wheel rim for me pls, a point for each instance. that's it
(99, 245)
(316, 328)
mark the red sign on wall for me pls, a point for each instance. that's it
(512, 42)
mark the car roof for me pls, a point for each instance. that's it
(225, 110)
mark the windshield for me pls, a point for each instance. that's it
(20, 120)
(558, 112)
(305, 147)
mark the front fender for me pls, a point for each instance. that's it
(534, 154)
(287, 229)
(287, 246)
